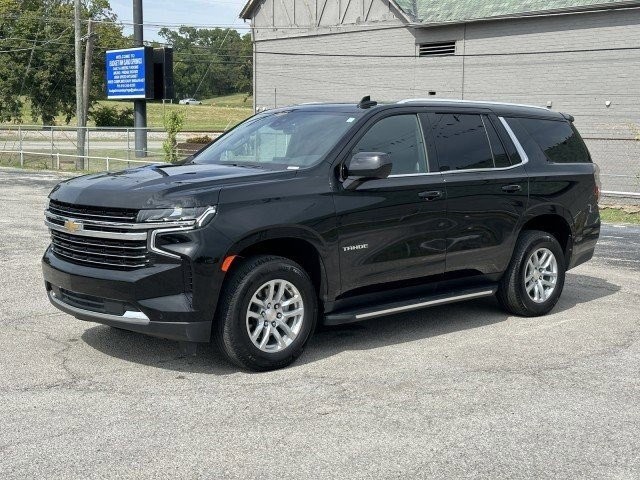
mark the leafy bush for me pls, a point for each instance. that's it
(173, 122)
(201, 139)
(107, 116)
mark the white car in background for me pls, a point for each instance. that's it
(190, 101)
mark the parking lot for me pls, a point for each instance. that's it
(457, 391)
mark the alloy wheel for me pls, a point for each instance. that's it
(275, 315)
(541, 275)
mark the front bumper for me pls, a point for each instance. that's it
(151, 300)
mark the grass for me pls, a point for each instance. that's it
(214, 115)
(620, 215)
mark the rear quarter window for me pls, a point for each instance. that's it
(559, 141)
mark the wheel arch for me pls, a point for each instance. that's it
(555, 220)
(295, 243)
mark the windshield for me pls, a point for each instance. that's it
(294, 138)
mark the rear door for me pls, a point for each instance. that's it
(393, 229)
(487, 189)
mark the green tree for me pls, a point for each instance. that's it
(36, 56)
(210, 62)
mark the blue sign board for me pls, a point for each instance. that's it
(126, 74)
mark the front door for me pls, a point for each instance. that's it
(393, 229)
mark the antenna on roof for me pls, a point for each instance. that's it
(366, 102)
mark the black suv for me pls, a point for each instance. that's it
(330, 213)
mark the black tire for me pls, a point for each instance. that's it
(231, 333)
(512, 293)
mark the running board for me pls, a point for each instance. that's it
(358, 315)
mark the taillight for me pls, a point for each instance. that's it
(598, 187)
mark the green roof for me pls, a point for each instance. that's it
(446, 11)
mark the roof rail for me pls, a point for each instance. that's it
(456, 100)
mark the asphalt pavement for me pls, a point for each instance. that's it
(462, 391)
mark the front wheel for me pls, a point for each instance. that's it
(532, 284)
(268, 310)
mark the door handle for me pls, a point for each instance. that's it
(431, 195)
(511, 188)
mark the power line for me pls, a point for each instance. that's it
(379, 56)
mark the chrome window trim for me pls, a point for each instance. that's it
(400, 175)
(133, 318)
(523, 155)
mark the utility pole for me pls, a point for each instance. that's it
(88, 59)
(79, 100)
(139, 106)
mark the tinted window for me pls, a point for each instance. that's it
(500, 157)
(558, 140)
(401, 137)
(526, 141)
(461, 142)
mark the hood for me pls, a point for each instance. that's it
(159, 186)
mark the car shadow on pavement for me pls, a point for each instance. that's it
(329, 341)
(411, 326)
(579, 289)
(156, 352)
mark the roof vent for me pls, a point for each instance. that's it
(441, 49)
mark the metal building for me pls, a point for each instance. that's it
(577, 56)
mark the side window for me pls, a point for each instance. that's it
(401, 137)
(500, 157)
(530, 147)
(559, 140)
(461, 141)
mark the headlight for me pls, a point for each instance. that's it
(198, 215)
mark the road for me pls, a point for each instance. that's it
(453, 392)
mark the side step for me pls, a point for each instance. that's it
(365, 313)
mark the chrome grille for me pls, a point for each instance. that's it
(97, 237)
(107, 237)
(100, 252)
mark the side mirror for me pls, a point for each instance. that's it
(367, 166)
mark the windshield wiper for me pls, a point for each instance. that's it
(245, 165)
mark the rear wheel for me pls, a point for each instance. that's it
(268, 310)
(532, 284)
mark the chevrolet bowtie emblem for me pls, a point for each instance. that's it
(72, 226)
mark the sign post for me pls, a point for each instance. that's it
(130, 77)
(140, 106)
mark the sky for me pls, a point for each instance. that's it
(203, 13)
